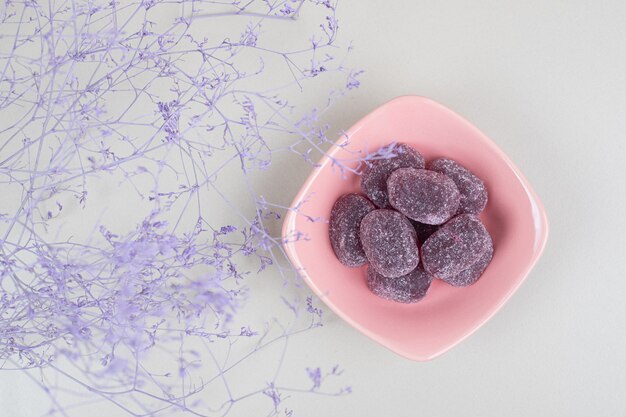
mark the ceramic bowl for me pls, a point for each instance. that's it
(514, 217)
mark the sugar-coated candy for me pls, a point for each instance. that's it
(425, 196)
(389, 242)
(455, 247)
(472, 189)
(471, 274)
(424, 230)
(409, 288)
(344, 227)
(376, 172)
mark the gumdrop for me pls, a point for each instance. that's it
(455, 247)
(409, 288)
(472, 189)
(389, 242)
(376, 172)
(471, 274)
(344, 226)
(424, 231)
(424, 196)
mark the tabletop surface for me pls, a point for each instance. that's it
(546, 81)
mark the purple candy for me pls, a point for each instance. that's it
(455, 247)
(344, 226)
(389, 242)
(424, 196)
(472, 189)
(424, 230)
(376, 172)
(409, 288)
(471, 274)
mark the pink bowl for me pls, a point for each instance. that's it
(514, 216)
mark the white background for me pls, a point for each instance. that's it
(546, 80)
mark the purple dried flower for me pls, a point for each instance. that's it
(315, 375)
(170, 112)
(352, 79)
(138, 117)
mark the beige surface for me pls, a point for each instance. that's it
(547, 82)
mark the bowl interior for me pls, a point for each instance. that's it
(514, 217)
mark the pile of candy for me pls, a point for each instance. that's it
(414, 224)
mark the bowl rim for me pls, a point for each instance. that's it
(538, 213)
